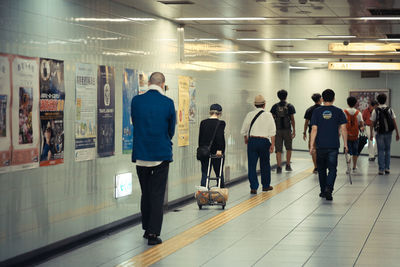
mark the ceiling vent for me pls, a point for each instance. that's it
(393, 36)
(245, 30)
(369, 74)
(284, 46)
(176, 2)
(385, 12)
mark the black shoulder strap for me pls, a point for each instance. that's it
(215, 132)
(254, 119)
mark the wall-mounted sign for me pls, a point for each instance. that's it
(123, 184)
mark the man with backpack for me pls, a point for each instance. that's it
(384, 121)
(283, 113)
(354, 124)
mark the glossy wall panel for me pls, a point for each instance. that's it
(44, 205)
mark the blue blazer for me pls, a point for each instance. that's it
(154, 118)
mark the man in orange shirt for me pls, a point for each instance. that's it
(366, 117)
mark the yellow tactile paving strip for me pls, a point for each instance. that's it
(156, 253)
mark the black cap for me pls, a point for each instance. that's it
(216, 107)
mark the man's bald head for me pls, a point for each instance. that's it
(157, 78)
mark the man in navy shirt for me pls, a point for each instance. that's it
(153, 118)
(327, 122)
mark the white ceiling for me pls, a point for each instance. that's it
(285, 19)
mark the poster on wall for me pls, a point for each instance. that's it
(86, 106)
(130, 88)
(105, 111)
(5, 130)
(143, 82)
(364, 96)
(52, 97)
(25, 112)
(183, 110)
(192, 105)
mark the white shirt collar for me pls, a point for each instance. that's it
(156, 87)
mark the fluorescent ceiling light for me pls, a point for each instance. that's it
(262, 62)
(298, 68)
(312, 62)
(219, 19)
(363, 66)
(337, 36)
(104, 38)
(378, 18)
(390, 39)
(201, 39)
(302, 52)
(271, 39)
(113, 19)
(361, 54)
(236, 52)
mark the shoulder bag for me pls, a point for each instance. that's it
(203, 152)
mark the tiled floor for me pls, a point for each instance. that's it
(360, 227)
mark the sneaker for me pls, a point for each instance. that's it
(278, 169)
(253, 191)
(154, 240)
(146, 235)
(315, 170)
(380, 172)
(321, 194)
(288, 168)
(267, 188)
(347, 172)
(387, 171)
(354, 170)
(328, 196)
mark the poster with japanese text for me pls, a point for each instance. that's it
(130, 88)
(183, 110)
(5, 130)
(52, 97)
(86, 107)
(25, 112)
(105, 111)
(192, 105)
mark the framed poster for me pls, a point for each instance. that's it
(130, 88)
(364, 96)
(5, 125)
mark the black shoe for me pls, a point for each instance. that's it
(146, 235)
(387, 171)
(288, 168)
(321, 194)
(380, 172)
(154, 240)
(278, 169)
(267, 188)
(315, 170)
(328, 196)
(253, 191)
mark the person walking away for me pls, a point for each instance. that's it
(259, 132)
(283, 113)
(307, 126)
(384, 121)
(153, 118)
(366, 117)
(206, 136)
(327, 122)
(354, 124)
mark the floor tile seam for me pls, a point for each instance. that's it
(376, 219)
(270, 218)
(337, 223)
(149, 252)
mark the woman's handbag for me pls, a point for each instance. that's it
(203, 152)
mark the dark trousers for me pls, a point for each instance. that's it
(327, 161)
(153, 181)
(216, 165)
(258, 148)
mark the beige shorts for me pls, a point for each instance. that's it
(283, 136)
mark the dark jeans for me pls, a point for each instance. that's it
(383, 142)
(153, 181)
(327, 160)
(258, 148)
(216, 165)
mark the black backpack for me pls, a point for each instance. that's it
(384, 120)
(282, 117)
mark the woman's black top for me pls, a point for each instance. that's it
(207, 128)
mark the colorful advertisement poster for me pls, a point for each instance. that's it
(183, 110)
(86, 106)
(192, 105)
(5, 130)
(364, 96)
(52, 97)
(105, 111)
(130, 88)
(25, 113)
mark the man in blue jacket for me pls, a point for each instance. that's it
(153, 118)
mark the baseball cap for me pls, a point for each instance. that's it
(216, 107)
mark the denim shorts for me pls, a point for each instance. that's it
(353, 147)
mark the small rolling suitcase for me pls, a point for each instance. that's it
(212, 195)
